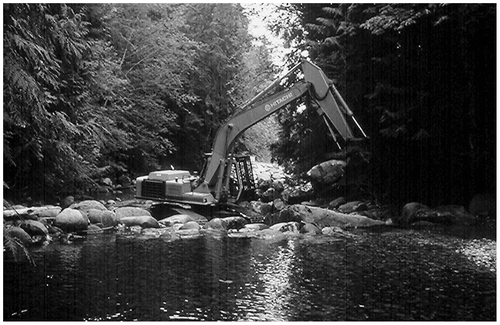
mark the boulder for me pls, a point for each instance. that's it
(328, 218)
(353, 206)
(234, 222)
(190, 225)
(444, 215)
(178, 218)
(93, 229)
(189, 232)
(19, 233)
(285, 215)
(411, 212)
(34, 228)
(169, 236)
(87, 205)
(131, 212)
(310, 229)
(144, 221)
(19, 214)
(327, 173)
(71, 220)
(336, 203)
(278, 204)
(287, 227)
(483, 205)
(216, 224)
(48, 212)
(109, 219)
(106, 218)
(255, 226)
(94, 215)
(328, 231)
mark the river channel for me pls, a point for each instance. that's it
(375, 274)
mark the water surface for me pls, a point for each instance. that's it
(388, 274)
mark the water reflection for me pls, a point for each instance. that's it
(393, 276)
(273, 271)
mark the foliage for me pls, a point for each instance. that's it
(43, 54)
(411, 74)
(102, 90)
(15, 247)
(255, 75)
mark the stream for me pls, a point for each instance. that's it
(375, 274)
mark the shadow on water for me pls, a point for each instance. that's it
(376, 274)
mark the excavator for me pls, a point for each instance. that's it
(226, 178)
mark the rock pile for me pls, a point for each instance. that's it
(272, 217)
(270, 221)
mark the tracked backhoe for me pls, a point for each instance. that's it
(226, 178)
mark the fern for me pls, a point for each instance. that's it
(16, 247)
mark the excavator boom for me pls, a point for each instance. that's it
(315, 82)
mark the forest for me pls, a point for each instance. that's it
(113, 90)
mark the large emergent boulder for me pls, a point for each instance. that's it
(87, 205)
(104, 217)
(144, 221)
(353, 206)
(131, 212)
(190, 225)
(234, 222)
(216, 224)
(328, 218)
(413, 212)
(178, 218)
(49, 212)
(34, 228)
(444, 215)
(226, 223)
(71, 220)
(327, 173)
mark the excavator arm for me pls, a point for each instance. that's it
(322, 91)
